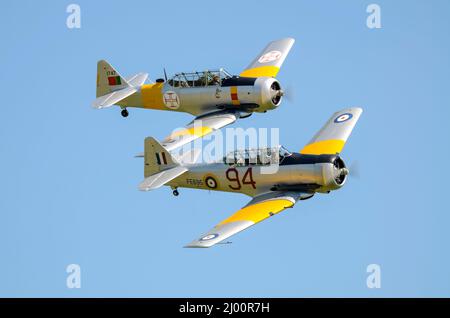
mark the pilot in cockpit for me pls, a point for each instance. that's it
(215, 80)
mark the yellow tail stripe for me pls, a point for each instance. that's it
(259, 211)
(329, 147)
(268, 70)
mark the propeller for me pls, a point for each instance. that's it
(355, 170)
(276, 92)
(340, 171)
(289, 93)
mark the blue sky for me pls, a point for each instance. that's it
(69, 180)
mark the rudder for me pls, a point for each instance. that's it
(108, 79)
(156, 157)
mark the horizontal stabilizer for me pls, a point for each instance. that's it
(161, 178)
(137, 80)
(113, 98)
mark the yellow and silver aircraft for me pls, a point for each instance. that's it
(317, 168)
(215, 97)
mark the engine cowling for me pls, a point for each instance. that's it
(334, 174)
(268, 92)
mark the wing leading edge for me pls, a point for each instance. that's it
(258, 209)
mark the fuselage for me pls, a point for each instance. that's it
(303, 173)
(238, 93)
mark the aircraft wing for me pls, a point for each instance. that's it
(199, 127)
(333, 135)
(269, 61)
(258, 209)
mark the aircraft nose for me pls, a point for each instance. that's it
(276, 92)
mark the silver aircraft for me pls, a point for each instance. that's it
(275, 178)
(215, 97)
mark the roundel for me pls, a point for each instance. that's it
(343, 117)
(171, 100)
(209, 237)
(269, 57)
(211, 182)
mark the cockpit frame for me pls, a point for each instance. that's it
(199, 79)
(260, 156)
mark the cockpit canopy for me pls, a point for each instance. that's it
(261, 156)
(199, 79)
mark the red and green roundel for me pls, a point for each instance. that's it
(114, 80)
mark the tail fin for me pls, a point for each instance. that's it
(108, 79)
(156, 157)
(332, 137)
(160, 167)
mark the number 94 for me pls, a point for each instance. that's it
(232, 175)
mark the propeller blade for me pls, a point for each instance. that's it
(289, 93)
(355, 170)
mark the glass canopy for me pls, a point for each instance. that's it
(260, 156)
(199, 79)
